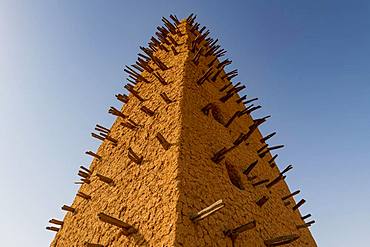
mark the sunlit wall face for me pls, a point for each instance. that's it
(61, 62)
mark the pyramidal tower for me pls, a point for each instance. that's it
(184, 163)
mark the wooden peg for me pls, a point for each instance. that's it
(214, 77)
(83, 195)
(270, 149)
(175, 52)
(264, 139)
(102, 129)
(83, 174)
(86, 170)
(260, 182)
(249, 101)
(122, 97)
(174, 18)
(127, 229)
(165, 98)
(160, 78)
(306, 216)
(288, 168)
(173, 41)
(241, 138)
(286, 239)
(212, 61)
(233, 117)
(68, 208)
(286, 203)
(207, 211)
(250, 167)
(262, 148)
(272, 160)
(52, 228)
(204, 77)
(226, 86)
(241, 99)
(220, 155)
(116, 112)
(144, 64)
(290, 195)
(233, 233)
(105, 179)
(197, 56)
(300, 203)
(93, 155)
(165, 144)
(275, 181)
(262, 201)
(97, 137)
(220, 53)
(129, 125)
(134, 157)
(306, 225)
(130, 88)
(56, 222)
(147, 111)
(224, 63)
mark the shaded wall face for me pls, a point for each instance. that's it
(202, 182)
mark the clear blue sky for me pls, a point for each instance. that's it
(308, 62)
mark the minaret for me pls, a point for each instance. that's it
(184, 163)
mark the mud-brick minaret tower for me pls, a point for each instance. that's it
(184, 163)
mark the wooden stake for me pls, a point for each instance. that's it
(288, 168)
(147, 111)
(300, 203)
(236, 114)
(306, 216)
(275, 181)
(160, 78)
(86, 170)
(68, 208)
(272, 160)
(262, 148)
(130, 88)
(306, 225)
(290, 195)
(260, 182)
(122, 97)
(93, 155)
(52, 228)
(83, 195)
(233, 233)
(128, 229)
(281, 240)
(56, 222)
(102, 129)
(264, 139)
(134, 157)
(262, 201)
(165, 98)
(207, 211)
(165, 144)
(105, 179)
(250, 167)
(112, 110)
